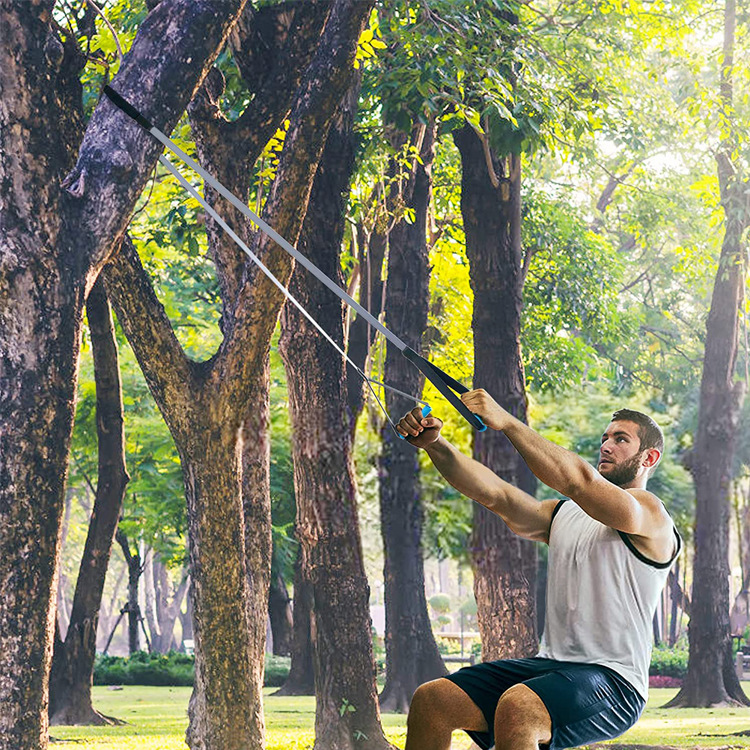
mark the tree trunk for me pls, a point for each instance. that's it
(167, 609)
(347, 713)
(301, 679)
(504, 564)
(132, 608)
(412, 656)
(711, 679)
(186, 619)
(280, 612)
(55, 235)
(72, 672)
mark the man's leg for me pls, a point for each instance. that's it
(437, 708)
(522, 721)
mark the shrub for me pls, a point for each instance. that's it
(173, 669)
(277, 670)
(669, 662)
(663, 681)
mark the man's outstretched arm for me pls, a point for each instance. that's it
(633, 511)
(524, 514)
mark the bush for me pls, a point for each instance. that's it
(669, 662)
(173, 669)
(662, 681)
(277, 670)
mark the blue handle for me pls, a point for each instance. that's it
(426, 409)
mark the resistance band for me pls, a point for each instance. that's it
(441, 380)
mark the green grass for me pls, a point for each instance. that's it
(157, 718)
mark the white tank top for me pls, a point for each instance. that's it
(601, 596)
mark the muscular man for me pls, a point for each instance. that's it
(610, 549)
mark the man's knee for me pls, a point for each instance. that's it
(442, 701)
(521, 713)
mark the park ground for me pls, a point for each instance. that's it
(157, 717)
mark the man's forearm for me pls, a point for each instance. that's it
(468, 476)
(557, 467)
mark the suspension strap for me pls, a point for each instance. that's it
(443, 382)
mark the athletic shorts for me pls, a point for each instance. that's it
(587, 703)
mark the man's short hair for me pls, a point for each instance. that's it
(649, 432)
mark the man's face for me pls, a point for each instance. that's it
(620, 454)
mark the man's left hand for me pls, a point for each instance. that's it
(481, 403)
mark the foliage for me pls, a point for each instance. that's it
(142, 668)
(669, 662)
(571, 305)
(173, 668)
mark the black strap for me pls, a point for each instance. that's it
(444, 382)
(127, 107)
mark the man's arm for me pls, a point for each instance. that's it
(524, 514)
(633, 511)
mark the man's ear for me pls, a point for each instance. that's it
(651, 458)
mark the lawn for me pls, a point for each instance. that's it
(157, 718)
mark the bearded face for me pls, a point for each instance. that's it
(623, 473)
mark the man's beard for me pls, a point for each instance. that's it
(624, 473)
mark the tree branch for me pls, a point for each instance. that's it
(259, 301)
(116, 156)
(172, 377)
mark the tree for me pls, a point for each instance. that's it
(72, 669)
(57, 233)
(711, 679)
(412, 656)
(217, 410)
(327, 527)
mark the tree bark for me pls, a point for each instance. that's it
(504, 564)
(55, 234)
(412, 656)
(347, 711)
(72, 671)
(132, 608)
(280, 613)
(167, 608)
(711, 679)
(301, 679)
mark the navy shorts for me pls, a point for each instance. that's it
(587, 703)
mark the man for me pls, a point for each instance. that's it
(610, 549)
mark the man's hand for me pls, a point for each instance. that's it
(481, 403)
(418, 430)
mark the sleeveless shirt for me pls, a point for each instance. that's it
(602, 594)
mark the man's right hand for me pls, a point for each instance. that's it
(418, 430)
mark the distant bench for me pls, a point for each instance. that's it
(471, 659)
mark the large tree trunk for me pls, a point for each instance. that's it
(220, 711)
(412, 656)
(711, 679)
(55, 235)
(72, 672)
(347, 711)
(504, 564)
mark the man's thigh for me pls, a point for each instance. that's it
(586, 704)
(485, 683)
